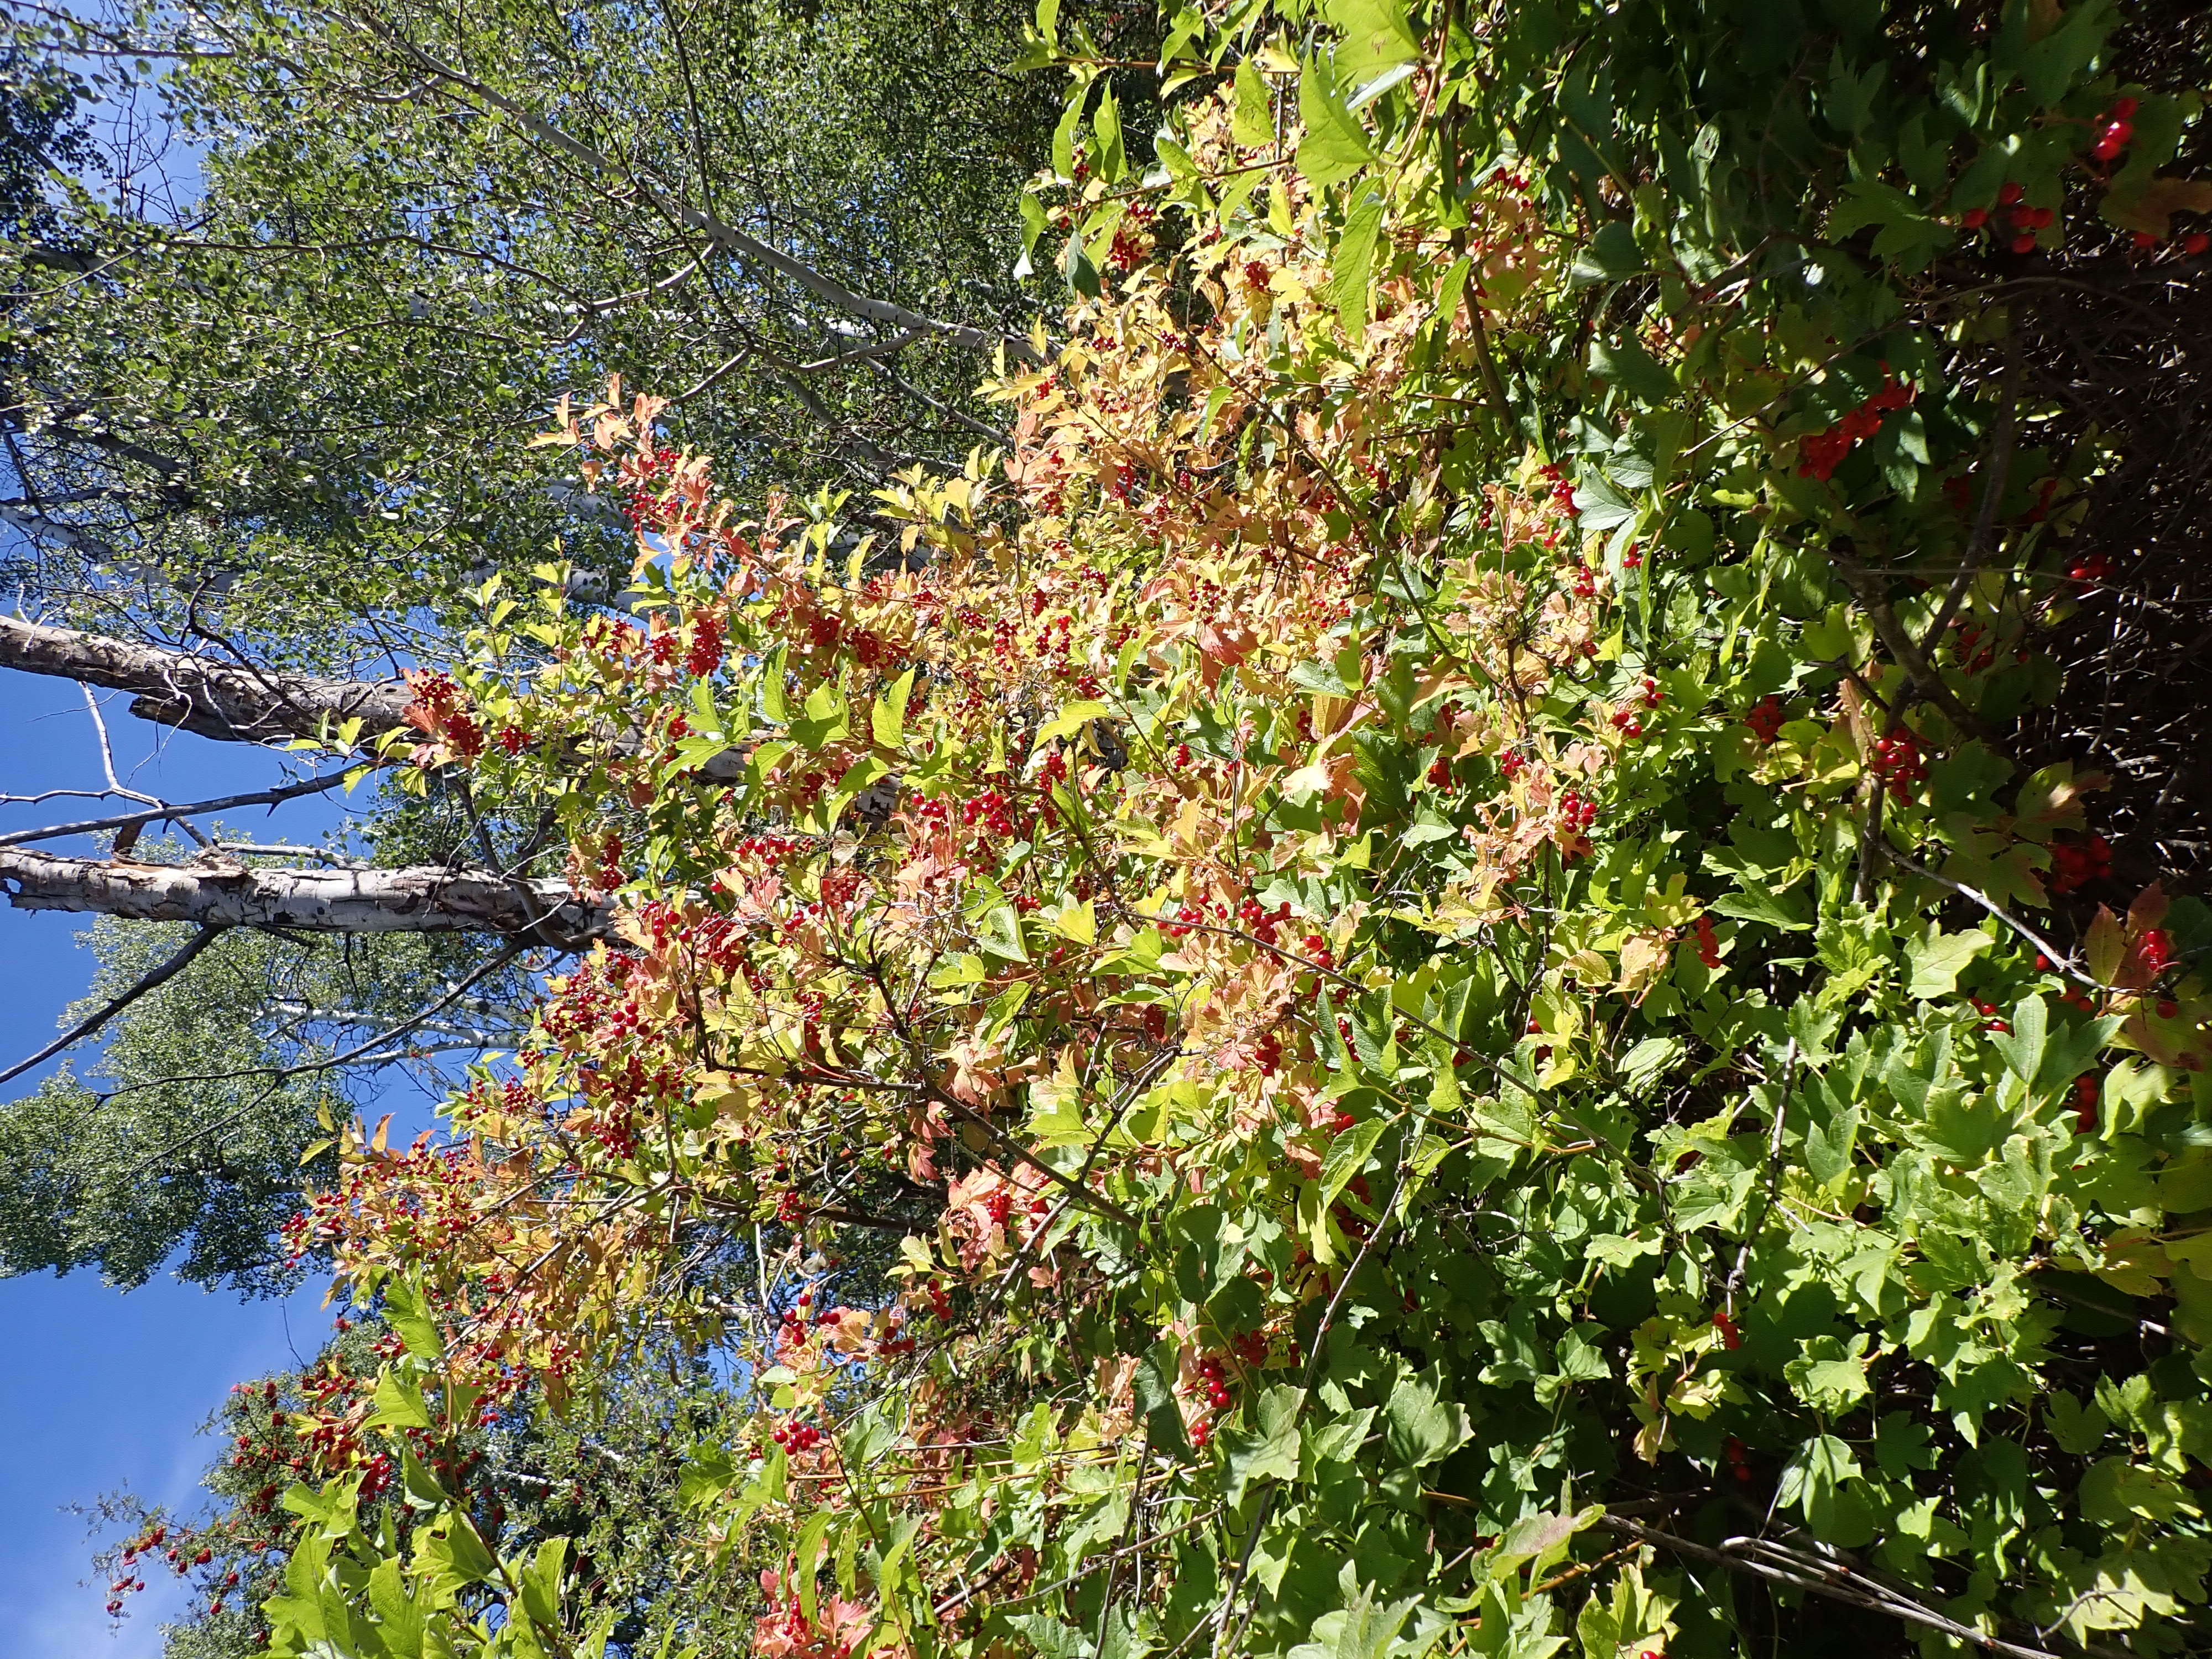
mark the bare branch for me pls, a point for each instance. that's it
(84, 1028)
(162, 813)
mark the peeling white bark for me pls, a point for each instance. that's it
(214, 699)
(420, 899)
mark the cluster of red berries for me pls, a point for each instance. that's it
(1820, 454)
(1990, 1022)
(1316, 950)
(436, 709)
(1440, 772)
(2155, 951)
(1765, 718)
(1510, 765)
(796, 1436)
(1216, 1386)
(1737, 1457)
(1259, 921)
(1563, 492)
(1626, 718)
(1898, 763)
(1130, 242)
(1268, 1053)
(2076, 865)
(1576, 813)
(1190, 916)
(2089, 1089)
(707, 650)
(1708, 946)
(992, 811)
(2116, 130)
(1731, 1337)
(1585, 582)
(2022, 222)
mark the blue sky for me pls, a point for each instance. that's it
(100, 1389)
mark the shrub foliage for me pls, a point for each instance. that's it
(1402, 985)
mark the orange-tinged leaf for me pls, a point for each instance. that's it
(2151, 209)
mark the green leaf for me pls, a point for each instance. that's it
(1152, 1386)
(1336, 146)
(1106, 123)
(404, 1312)
(2117, 1492)
(1608, 257)
(1783, 907)
(1376, 38)
(399, 1404)
(1253, 123)
(2022, 1045)
(1071, 718)
(1937, 958)
(1050, 1636)
(541, 1584)
(1633, 370)
(773, 703)
(1081, 273)
(887, 716)
(808, 1556)
(1828, 1150)
(1829, 1377)
(1063, 136)
(1418, 1428)
(1352, 267)
(1537, 1536)
(1268, 1451)
(1347, 1155)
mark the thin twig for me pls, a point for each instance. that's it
(2059, 961)
(1832, 1580)
(280, 1073)
(162, 813)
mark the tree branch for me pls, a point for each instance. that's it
(214, 700)
(84, 1028)
(422, 899)
(1833, 1579)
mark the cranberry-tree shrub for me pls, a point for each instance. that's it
(1415, 908)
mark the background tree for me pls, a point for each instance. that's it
(268, 381)
(276, 323)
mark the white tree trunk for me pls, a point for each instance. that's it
(423, 899)
(215, 699)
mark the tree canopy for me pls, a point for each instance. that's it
(1442, 968)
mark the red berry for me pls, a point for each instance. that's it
(1975, 218)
